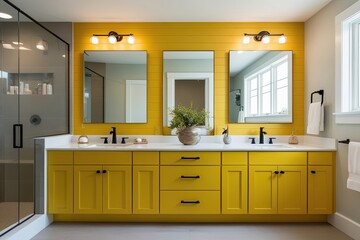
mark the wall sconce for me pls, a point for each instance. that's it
(113, 37)
(264, 37)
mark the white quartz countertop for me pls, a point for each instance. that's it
(207, 143)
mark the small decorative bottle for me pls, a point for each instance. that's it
(293, 139)
(226, 138)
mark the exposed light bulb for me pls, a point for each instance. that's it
(112, 39)
(246, 40)
(18, 43)
(94, 40)
(131, 39)
(282, 39)
(64, 56)
(265, 40)
(42, 45)
(5, 16)
(8, 46)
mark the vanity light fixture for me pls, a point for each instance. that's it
(113, 37)
(264, 37)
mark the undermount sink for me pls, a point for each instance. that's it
(113, 145)
(271, 146)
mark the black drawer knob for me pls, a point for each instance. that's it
(282, 172)
(104, 171)
(98, 171)
(313, 171)
(276, 172)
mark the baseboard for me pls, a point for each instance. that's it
(30, 228)
(345, 225)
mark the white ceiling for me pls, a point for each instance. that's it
(171, 10)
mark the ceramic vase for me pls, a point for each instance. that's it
(189, 136)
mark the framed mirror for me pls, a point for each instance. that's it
(188, 78)
(260, 87)
(115, 87)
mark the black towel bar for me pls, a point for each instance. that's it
(347, 141)
(320, 92)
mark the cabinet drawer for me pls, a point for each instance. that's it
(234, 158)
(321, 158)
(278, 158)
(190, 178)
(146, 158)
(60, 157)
(189, 202)
(190, 158)
(102, 157)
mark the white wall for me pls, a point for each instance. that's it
(320, 74)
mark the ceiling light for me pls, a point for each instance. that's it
(24, 48)
(5, 15)
(8, 46)
(18, 43)
(42, 45)
(113, 37)
(264, 37)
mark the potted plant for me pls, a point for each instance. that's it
(186, 120)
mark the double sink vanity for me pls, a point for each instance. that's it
(164, 180)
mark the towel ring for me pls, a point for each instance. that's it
(320, 92)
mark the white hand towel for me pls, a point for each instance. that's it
(353, 181)
(241, 118)
(315, 118)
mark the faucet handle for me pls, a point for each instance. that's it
(252, 140)
(123, 140)
(271, 140)
(105, 139)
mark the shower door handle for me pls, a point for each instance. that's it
(17, 135)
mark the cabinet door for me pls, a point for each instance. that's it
(292, 188)
(60, 189)
(117, 189)
(234, 189)
(262, 190)
(146, 190)
(87, 189)
(320, 190)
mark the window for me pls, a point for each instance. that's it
(347, 57)
(267, 88)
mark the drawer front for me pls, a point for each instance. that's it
(190, 178)
(278, 158)
(146, 158)
(190, 158)
(234, 158)
(60, 157)
(102, 157)
(321, 158)
(190, 202)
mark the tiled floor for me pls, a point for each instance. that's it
(172, 231)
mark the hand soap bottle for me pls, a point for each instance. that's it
(293, 139)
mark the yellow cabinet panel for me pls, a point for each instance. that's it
(60, 157)
(320, 190)
(278, 158)
(60, 189)
(190, 178)
(234, 189)
(262, 190)
(117, 189)
(87, 189)
(146, 190)
(146, 158)
(190, 202)
(190, 158)
(321, 158)
(234, 158)
(292, 189)
(102, 157)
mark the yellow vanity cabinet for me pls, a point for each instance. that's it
(234, 187)
(102, 182)
(146, 182)
(278, 183)
(60, 182)
(321, 182)
(190, 182)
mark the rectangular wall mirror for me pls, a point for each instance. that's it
(260, 87)
(115, 87)
(188, 78)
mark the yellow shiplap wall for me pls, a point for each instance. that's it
(219, 37)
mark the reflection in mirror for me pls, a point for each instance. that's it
(188, 79)
(260, 88)
(115, 87)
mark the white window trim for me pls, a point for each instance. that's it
(342, 67)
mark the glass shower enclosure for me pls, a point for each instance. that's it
(34, 89)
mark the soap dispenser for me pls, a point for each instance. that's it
(293, 139)
(226, 138)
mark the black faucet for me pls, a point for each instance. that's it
(113, 132)
(261, 138)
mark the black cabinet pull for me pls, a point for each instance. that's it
(190, 202)
(190, 158)
(190, 176)
(17, 136)
(104, 171)
(313, 172)
(282, 172)
(98, 171)
(276, 172)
